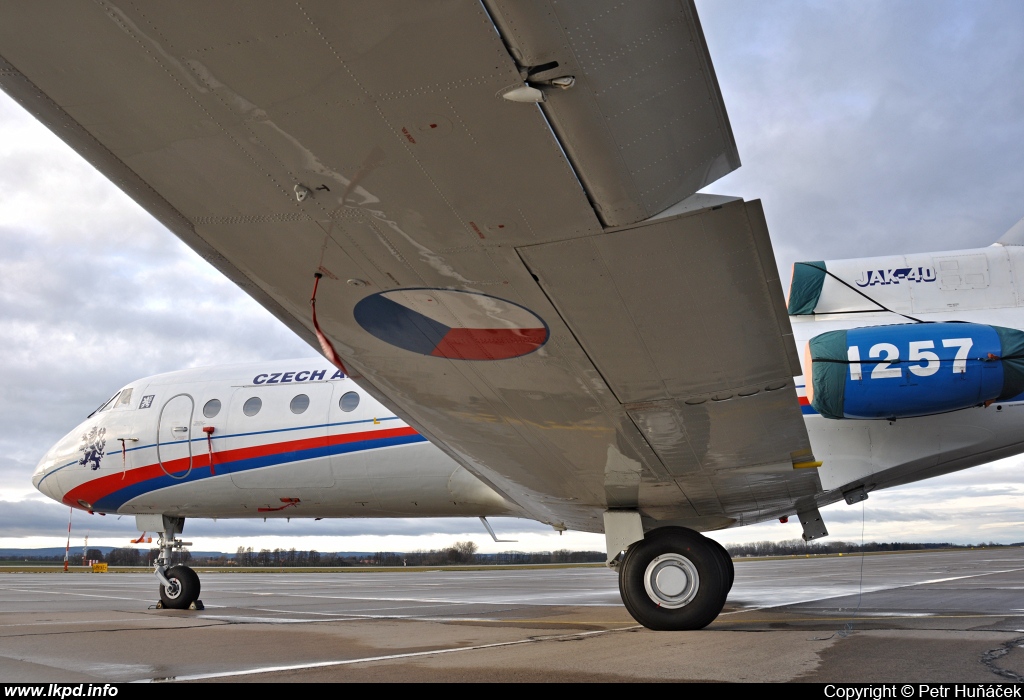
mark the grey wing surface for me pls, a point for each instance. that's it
(535, 286)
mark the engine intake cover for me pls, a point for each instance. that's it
(906, 370)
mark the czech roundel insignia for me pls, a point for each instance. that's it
(452, 324)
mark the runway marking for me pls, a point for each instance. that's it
(517, 600)
(864, 619)
(372, 659)
(872, 590)
(83, 595)
(75, 622)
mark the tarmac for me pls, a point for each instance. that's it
(937, 616)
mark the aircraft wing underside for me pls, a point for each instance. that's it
(492, 270)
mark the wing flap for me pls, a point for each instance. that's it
(682, 318)
(674, 308)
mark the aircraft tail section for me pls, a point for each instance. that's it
(952, 281)
(1015, 236)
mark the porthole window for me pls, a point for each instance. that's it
(212, 408)
(349, 401)
(252, 406)
(299, 404)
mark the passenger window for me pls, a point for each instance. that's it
(299, 404)
(349, 401)
(252, 406)
(212, 408)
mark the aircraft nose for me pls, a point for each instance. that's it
(43, 479)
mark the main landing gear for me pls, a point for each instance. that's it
(179, 585)
(675, 579)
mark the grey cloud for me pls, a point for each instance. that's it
(874, 128)
(79, 323)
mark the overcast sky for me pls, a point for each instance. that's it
(866, 128)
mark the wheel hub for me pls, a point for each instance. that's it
(173, 590)
(671, 581)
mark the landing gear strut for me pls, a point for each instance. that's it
(675, 579)
(179, 585)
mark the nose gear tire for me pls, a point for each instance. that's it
(674, 579)
(186, 591)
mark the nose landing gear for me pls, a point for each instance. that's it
(179, 588)
(179, 585)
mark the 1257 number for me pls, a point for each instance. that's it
(919, 351)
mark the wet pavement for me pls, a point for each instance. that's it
(939, 615)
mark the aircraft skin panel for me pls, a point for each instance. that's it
(644, 124)
(674, 308)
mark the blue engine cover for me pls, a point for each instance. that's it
(907, 370)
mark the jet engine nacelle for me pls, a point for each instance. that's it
(907, 370)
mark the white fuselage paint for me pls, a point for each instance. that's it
(325, 461)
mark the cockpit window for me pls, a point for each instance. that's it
(105, 405)
(125, 398)
(110, 403)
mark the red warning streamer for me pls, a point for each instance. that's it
(67, 547)
(325, 344)
(209, 445)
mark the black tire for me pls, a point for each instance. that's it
(187, 591)
(680, 550)
(726, 558)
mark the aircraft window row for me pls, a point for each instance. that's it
(348, 403)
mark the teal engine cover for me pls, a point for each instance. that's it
(908, 370)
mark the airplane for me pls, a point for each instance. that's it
(488, 217)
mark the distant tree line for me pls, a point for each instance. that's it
(791, 547)
(458, 553)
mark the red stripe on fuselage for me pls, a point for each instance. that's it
(95, 489)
